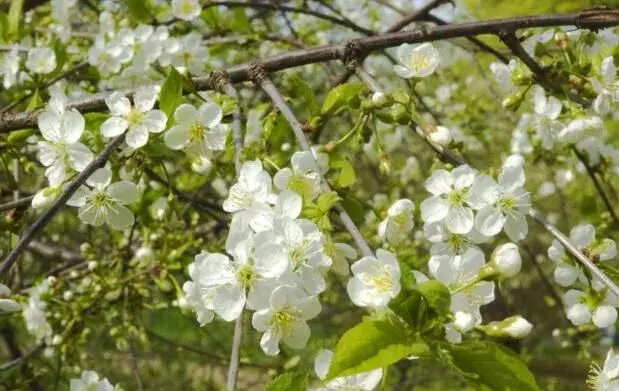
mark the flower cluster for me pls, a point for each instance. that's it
(467, 209)
(592, 302)
(274, 263)
(499, 206)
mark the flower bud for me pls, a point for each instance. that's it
(604, 316)
(439, 135)
(4, 290)
(67, 295)
(202, 165)
(8, 305)
(506, 259)
(367, 106)
(380, 99)
(144, 254)
(516, 327)
(92, 265)
(579, 314)
(562, 40)
(385, 165)
(44, 198)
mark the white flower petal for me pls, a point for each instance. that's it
(114, 126)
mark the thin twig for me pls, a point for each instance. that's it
(134, 365)
(237, 136)
(21, 359)
(235, 355)
(261, 78)
(598, 186)
(66, 73)
(597, 272)
(592, 19)
(68, 191)
(16, 204)
(195, 203)
(285, 8)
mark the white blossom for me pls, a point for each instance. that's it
(547, 110)
(607, 377)
(89, 381)
(450, 199)
(61, 150)
(41, 60)
(187, 52)
(9, 67)
(305, 176)
(34, 313)
(187, 10)
(503, 205)
(606, 86)
(399, 221)
(285, 319)
(416, 60)
(105, 202)
(365, 381)
(460, 273)
(198, 131)
(376, 280)
(140, 120)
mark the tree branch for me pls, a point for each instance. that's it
(597, 185)
(16, 204)
(593, 19)
(285, 8)
(235, 354)
(47, 216)
(260, 77)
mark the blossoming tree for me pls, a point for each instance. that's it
(306, 195)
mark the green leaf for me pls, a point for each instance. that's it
(347, 174)
(355, 208)
(289, 381)
(374, 344)
(340, 96)
(34, 101)
(18, 137)
(492, 365)
(171, 93)
(309, 104)
(139, 10)
(4, 27)
(436, 295)
(16, 10)
(326, 201)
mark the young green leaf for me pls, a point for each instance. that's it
(374, 343)
(340, 96)
(436, 295)
(139, 10)
(171, 93)
(16, 10)
(289, 381)
(493, 366)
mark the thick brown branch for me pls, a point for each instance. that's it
(587, 19)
